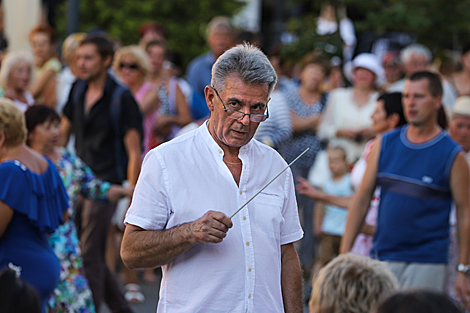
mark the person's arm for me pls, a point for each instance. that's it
(148, 249)
(6, 214)
(459, 184)
(182, 117)
(132, 146)
(300, 124)
(39, 85)
(65, 131)
(361, 201)
(150, 101)
(306, 189)
(291, 279)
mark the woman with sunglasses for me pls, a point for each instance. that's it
(132, 65)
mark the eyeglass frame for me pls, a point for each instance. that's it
(243, 114)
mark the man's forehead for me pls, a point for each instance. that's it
(88, 47)
(416, 86)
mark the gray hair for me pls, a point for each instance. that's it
(415, 49)
(248, 63)
(12, 59)
(219, 23)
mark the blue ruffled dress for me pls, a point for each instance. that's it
(38, 201)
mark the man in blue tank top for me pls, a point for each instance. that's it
(420, 171)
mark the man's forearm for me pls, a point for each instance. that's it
(291, 279)
(148, 249)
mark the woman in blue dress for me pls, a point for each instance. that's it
(33, 202)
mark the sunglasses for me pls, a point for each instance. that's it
(131, 66)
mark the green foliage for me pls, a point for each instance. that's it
(438, 24)
(185, 20)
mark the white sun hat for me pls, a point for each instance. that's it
(368, 61)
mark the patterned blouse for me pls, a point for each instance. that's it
(73, 294)
(290, 149)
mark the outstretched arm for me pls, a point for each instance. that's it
(144, 248)
(361, 201)
(459, 184)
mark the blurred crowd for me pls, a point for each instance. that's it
(334, 106)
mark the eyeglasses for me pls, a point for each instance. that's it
(131, 66)
(237, 115)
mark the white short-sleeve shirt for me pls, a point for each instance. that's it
(184, 178)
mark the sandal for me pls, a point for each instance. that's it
(133, 294)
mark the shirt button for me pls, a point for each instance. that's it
(220, 151)
(249, 269)
(247, 243)
(241, 192)
(249, 296)
(244, 218)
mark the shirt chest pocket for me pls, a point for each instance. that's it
(267, 214)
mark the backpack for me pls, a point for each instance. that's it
(115, 114)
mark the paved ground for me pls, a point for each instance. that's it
(151, 299)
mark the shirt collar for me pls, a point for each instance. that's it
(214, 146)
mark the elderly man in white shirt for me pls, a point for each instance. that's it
(188, 188)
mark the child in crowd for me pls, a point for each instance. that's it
(330, 220)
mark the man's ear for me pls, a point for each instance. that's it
(2, 139)
(108, 61)
(210, 95)
(394, 119)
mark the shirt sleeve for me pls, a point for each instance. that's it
(53, 64)
(292, 230)
(131, 116)
(150, 207)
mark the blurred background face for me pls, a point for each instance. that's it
(312, 75)
(466, 60)
(41, 47)
(416, 63)
(459, 129)
(392, 72)
(89, 62)
(129, 71)
(379, 118)
(157, 57)
(363, 78)
(20, 76)
(220, 40)
(337, 162)
(46, 134)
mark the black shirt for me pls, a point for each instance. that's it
(94, 134)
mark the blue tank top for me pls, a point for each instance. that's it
(415, 200)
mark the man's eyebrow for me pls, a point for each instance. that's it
(238, 101)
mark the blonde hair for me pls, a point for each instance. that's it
(351, 284)
(70, 45)
(135, 52)
(12, 59)
(12, 123)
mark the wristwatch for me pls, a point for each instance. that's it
(463, 268)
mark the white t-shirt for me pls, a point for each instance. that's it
(184, 178)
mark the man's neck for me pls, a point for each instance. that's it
(418, 134)
(99, 82)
